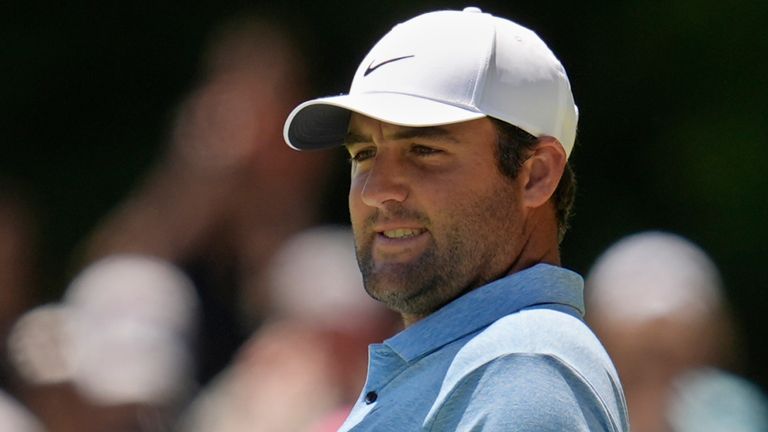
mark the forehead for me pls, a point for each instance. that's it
(363, 129)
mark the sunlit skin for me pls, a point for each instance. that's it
(434, 217)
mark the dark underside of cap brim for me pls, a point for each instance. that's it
(318, 126)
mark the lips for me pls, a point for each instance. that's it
(402, 233)
(399, 242)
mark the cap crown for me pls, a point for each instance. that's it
(447, 67)
(448, 54)
(478, 62)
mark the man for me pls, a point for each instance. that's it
(459, 126)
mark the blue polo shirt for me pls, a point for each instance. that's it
(513, 355)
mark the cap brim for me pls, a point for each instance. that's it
(323, 122)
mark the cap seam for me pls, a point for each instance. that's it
(478, 93)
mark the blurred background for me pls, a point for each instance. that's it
(113, 115)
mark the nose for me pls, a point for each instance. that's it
(385, 182)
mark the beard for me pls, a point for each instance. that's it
(415, 288)
(473, 250)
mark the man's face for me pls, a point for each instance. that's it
(433, 216)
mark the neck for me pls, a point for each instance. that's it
(540, 243)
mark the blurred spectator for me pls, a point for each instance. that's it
(656, 301)
(303, 369)
(115, 354)
(18, 241)
(18, 285)
(228, 192)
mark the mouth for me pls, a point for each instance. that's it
(395, 244)
(402, 233)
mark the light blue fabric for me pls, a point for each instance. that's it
(513, 355)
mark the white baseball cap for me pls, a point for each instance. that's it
(448, 67)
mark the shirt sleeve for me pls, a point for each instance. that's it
(521, 392)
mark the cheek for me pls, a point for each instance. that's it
(355, 201)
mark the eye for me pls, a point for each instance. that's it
(422, 150)
(362, 154)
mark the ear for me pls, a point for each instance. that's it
(542, 171)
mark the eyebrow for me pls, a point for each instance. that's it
(435, 132)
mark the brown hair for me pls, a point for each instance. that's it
(514, 147)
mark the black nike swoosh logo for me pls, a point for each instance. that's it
(372, 68)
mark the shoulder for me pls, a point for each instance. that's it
(543, 333)
(536, 366)
(517, 392)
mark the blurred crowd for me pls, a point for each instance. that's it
(214, 298)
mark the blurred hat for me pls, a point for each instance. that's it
(651, 275)
(447, 67)
(314, 277)
(131, 321)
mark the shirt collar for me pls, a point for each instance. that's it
(540, 285)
